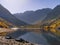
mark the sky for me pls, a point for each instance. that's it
(19, 6)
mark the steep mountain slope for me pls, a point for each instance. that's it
(55, 13)
(33, 17)
(5, 24)
(5, 14)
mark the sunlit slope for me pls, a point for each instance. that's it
(53, 27)
(5, 27)
(52, 21)
(5, 24)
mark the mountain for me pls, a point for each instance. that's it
(32, 17)
(5, 24)
(55, 13)
(6, 15)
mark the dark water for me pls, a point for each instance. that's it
(17, 33)
(52, 40)
(43, 38)
(33, 37)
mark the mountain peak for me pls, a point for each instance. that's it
(53, 14)
(58, 6)
(1, 6)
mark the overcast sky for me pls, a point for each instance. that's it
(18, 6)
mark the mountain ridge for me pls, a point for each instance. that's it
(33, 17)
(53, 14)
